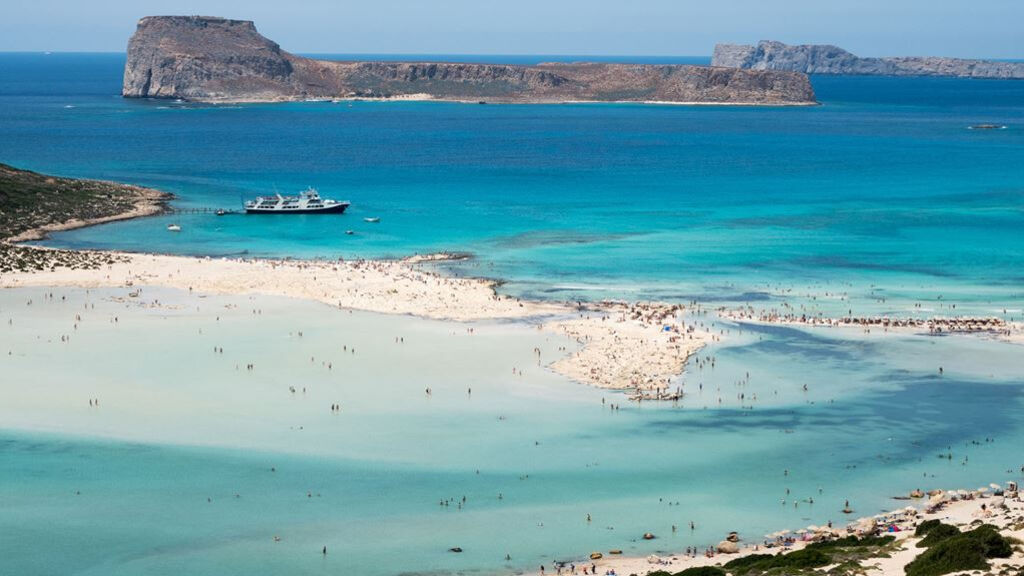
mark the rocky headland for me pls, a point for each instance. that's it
(828, 59)
(33, 204)
(206, 59)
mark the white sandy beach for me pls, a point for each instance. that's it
(622, 346)
(1002, 512)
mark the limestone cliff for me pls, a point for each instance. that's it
(214, 59)
(826, 59)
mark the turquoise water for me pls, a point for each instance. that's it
(123, 489)
(882, 185)
(880, 195)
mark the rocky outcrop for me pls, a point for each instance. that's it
(827, 59)
(214, 59)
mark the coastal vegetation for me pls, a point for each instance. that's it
(32, 204)
(844, 553)
(695, 571)
(950, 550)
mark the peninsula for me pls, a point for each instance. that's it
(828, 59)
(206, 59)
(642, 348)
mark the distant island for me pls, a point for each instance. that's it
(206, 59)
(828, 59)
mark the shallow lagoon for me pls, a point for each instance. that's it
(877, 200)
(179, 424)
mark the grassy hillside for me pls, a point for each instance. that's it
(32, 204)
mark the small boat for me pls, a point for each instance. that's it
(221, 212)
(173, 228)
(349, 232)
(373, 220)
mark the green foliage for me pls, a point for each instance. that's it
(29, 200)
(993, 543)
(925, 527)
(937, 534)
(695, 571)
(801, 559)
(746, 561)
(702, 571)
(959, 552)
(952, 555)
(852, 542)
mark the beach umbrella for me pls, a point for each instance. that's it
(995, 486)
(983, 489)
(813, 528)
(937, 499)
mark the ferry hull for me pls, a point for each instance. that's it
(336, 209)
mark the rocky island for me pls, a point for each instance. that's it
(828, 59)
(206, 59)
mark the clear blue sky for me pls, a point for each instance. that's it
(978, 28)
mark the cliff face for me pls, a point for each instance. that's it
(826, 59)
(215, 59)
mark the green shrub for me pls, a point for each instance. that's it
(702, 571)
(952, 555)
(925, 527)
(806, 558)
(937, 534)
(960, 552)
(800, 559)
(746, 561)
(851, 542)
(993, 543)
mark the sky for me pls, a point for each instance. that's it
(962, 28)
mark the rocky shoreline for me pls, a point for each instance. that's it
(207, 59)
(828, 59)
(33, 205)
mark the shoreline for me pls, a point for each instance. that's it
(431, 98)
(150, 203)
(963, 509)
(991, 326)
(640, 347)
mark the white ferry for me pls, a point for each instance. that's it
(308, 202)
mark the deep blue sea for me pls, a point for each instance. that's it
(877, 201)
(883, 187)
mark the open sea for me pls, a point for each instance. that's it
(881, 200)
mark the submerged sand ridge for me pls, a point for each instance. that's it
(641, 347)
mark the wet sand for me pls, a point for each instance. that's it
(622, 346)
